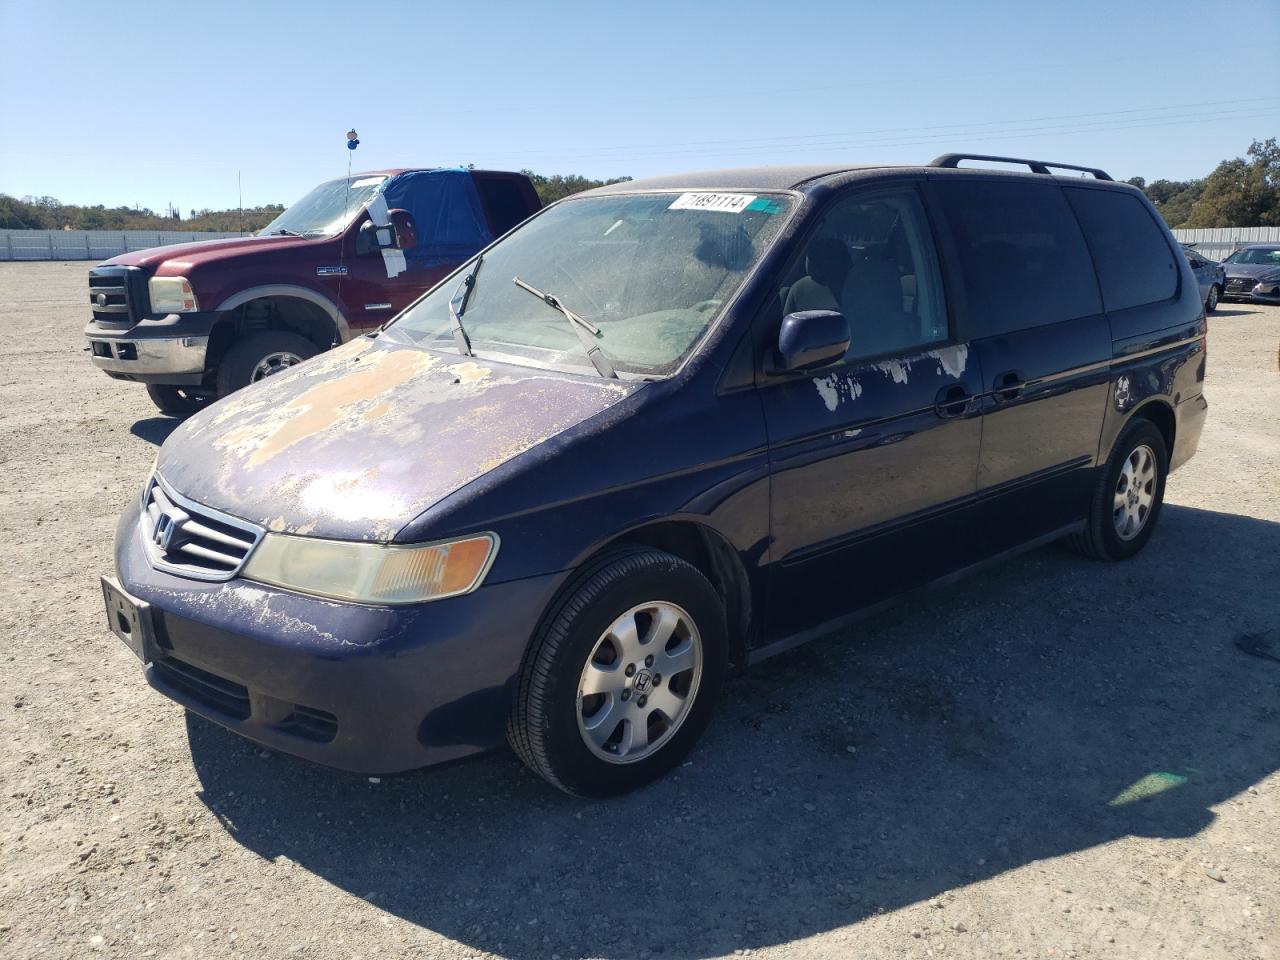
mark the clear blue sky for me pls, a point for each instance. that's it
(155, 102)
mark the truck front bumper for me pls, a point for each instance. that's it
(177, 360)
(168, 349)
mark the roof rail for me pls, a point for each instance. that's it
(1037, 166)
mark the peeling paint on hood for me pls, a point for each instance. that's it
(360, 440)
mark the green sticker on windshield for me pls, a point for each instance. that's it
(764, 205)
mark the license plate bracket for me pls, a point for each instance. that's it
(130, 619)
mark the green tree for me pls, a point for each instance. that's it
(1244, 192)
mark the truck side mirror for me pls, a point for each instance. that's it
(406, 232)
(399, 234)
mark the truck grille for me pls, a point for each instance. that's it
(116, 294)
(192, 540)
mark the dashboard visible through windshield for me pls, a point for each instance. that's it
(644, 276)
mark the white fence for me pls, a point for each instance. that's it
(90, 244)
(1217, 243)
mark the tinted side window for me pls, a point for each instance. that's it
(871, 258)
(1022, 257)
(504, 203)
(1135, 263)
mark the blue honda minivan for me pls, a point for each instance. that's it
(662, 430)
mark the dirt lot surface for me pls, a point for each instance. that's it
(1056, 758)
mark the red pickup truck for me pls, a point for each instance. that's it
(196, 321)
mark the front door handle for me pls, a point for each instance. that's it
(1008, 386)
(952, 401)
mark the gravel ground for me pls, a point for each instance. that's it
(1055, 758)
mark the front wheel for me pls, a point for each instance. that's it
(177, 402)
(1211, 302)
(261, 355)
(1127, 499)
(622, 676)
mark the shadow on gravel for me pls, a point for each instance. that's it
(1043, 708)
(155, 429)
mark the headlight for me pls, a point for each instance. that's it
(172, 295)
(372, 572)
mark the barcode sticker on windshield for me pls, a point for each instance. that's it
(718, 202)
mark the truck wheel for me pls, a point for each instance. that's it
(622, 674)
(176, 401)
(1126, 501)
(261, 355)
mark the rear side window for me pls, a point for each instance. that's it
(504, 202)
(1135, 262)
(1022, 257)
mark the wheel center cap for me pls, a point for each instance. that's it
(643, 682)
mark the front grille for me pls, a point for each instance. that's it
(116, 294)
(218, 693)
(192, 540)
(1241, 285)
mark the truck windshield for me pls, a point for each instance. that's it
(327, 209)
(647, 272)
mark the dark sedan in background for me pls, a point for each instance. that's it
(1210, 275)
(1253, 273)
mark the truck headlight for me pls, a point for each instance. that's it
(172, 295)
(376, 573)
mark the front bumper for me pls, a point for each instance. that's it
(364, 689)
(1265, 293)
(1237, 288)
(164, 349)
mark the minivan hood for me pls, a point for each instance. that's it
(357, 442)
(205, 251)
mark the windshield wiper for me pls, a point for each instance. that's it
(282, 232)
(455, 313)
(585, 330)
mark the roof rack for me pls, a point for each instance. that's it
(1037, 166)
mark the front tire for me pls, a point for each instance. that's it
(1127, 499)
(176, 401)
(622, 675)
(261, 355)
(1211, 303)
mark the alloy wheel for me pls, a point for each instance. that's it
(273, 363)
(640, 682)
(1135, 492)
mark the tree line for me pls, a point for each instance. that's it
(1243, 192)
(47, 213)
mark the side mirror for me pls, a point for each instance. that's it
(399, 234)
(811, 339)
(406, 232)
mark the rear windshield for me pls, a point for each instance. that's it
(649, 271)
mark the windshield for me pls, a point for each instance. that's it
(647, 272)
(1256, 255)
(327, 209)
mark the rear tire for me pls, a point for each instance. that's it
(1128, 496)
(176, 401)
(261, 355)
(1211, 303)
(606, 743)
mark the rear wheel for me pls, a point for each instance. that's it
(1127, 499)
(1211, 303)
(622, 676)
(261, 355)
(176, 401)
